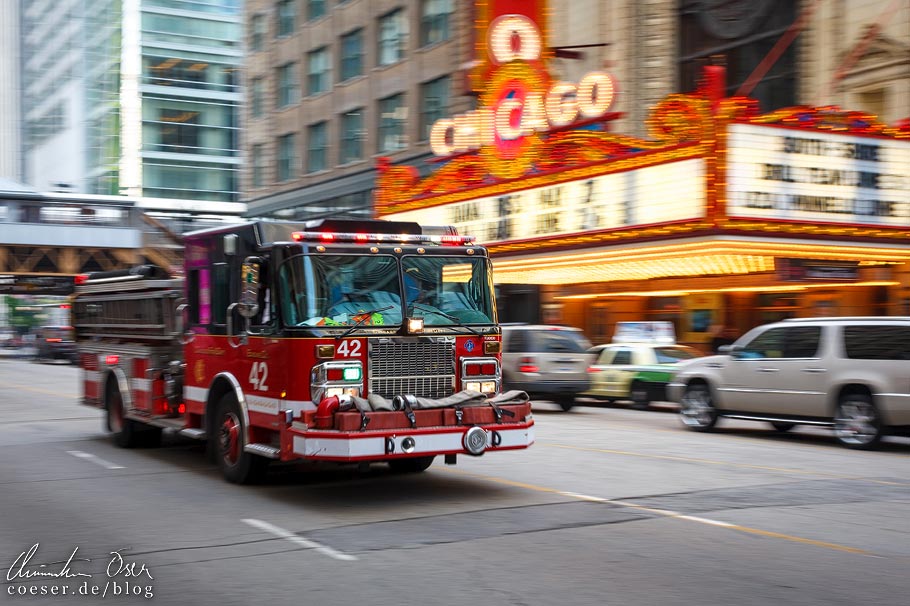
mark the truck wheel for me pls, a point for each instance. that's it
(413, 465)
(238, 466)
(697, 411)
(127, 433)
(857, 423)
(641, 400)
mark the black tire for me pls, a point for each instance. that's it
(126, 432)
(782, 426)
(565, 402)
(641, 399)
(412, 465)
(857, 422)
(237, 465)
(697, 408)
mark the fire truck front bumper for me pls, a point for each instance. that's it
(347, 446)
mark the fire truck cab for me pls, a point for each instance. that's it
(345, 341)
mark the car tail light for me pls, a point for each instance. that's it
(335, 374)
(473, 369)
(592, 369)
(488, 369)
(527, 365)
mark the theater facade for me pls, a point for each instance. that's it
(720, 216)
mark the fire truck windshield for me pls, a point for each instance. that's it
(349, 289)
(340, 290)
(449, 290)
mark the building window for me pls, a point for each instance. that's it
(288, 89)
(434, 97)
(258, 165)
(319, 74)
(744, 39)
(393, 116)
(352, 54)
(351, 136)
(257, 93)
(317, 147)
(315, 9)
(287, 158)
(179, 130)
(435, 17)
(393, 37)
(258, 27)
(287, 15)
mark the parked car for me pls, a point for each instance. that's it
(636, 371)
(548, 362)
(55, 343)
(849, 374)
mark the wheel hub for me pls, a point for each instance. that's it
(229, 438)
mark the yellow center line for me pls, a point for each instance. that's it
(665, 513)
(720, 463)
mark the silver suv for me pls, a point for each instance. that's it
(850, 374)
(548, 362)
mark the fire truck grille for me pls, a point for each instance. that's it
(423, 369)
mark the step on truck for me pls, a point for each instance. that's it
(331, 341)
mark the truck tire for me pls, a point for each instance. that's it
(126, 432)
(697, 409)
(237, 466)
(413, 465)
(857, 422)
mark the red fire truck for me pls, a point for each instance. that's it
(344, 341)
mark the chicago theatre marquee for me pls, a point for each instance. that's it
(721, 216)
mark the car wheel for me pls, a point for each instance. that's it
(237, 465)
(697, 411)
(857, 422)
(641, 400)
(565, 402)
(412, 465)
(782, 427)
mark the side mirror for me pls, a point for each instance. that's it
(249, 287)
(724, 349)
(735, 351)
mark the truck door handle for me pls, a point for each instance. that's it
(815, 370)
(768, 369)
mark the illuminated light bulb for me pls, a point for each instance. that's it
(503, 32)
(595, 94)
(504, 113)
(442, 137)
(467, 133)
(533, 114)
(562, 107)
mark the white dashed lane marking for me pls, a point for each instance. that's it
(96, 460)
(298, 540)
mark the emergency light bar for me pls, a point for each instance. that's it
(445, 239)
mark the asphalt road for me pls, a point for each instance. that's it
(610, 507)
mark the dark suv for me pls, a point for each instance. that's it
(548, 362)
(55, 343)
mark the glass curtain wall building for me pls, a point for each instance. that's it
(137, 97)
